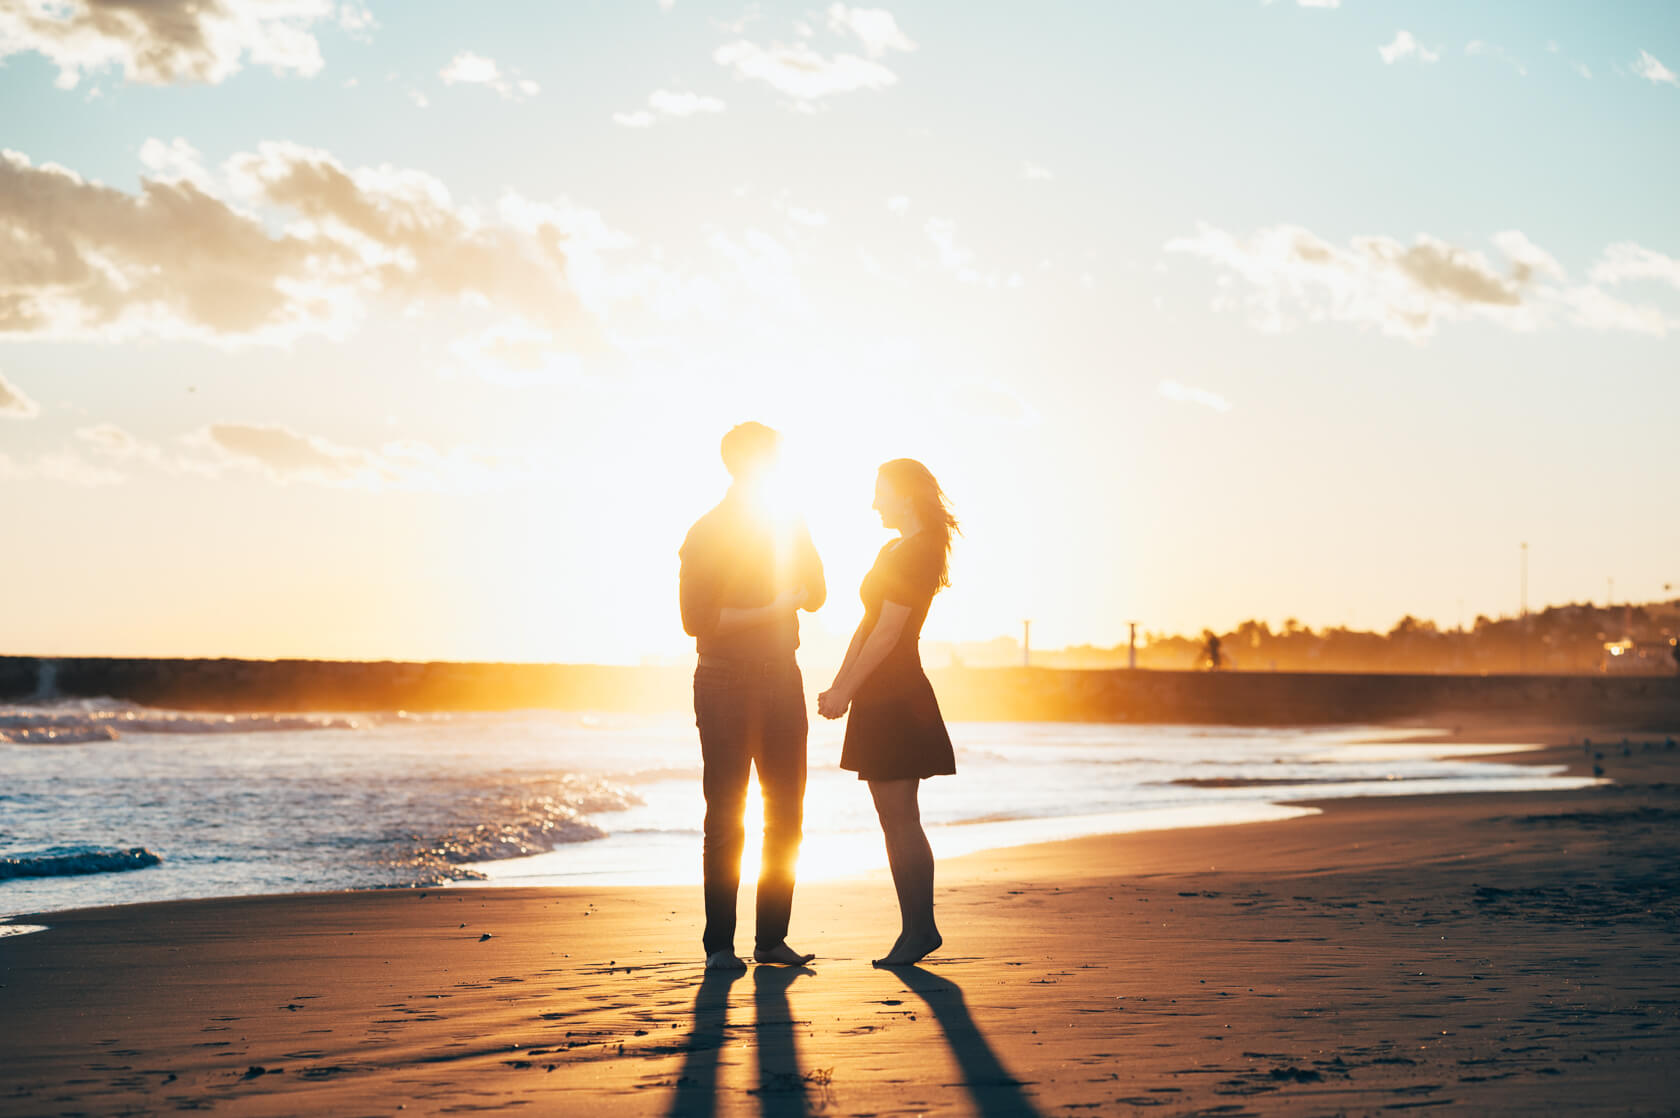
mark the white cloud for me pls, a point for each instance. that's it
(471, 69)
(799, 215)
(65, 467)
(108, 438)
(1404, 45)
(163, 41)
(287, 456)
(1186, 394)
(114, 446)
(1406, 290)
(14, 404)
(516, 353)
(421, 101)
(176, 161)
(875, 28)
(284, 456)
(898, 205)
(954, 257)
(311, 244)
(1595, 309)
(1527, 258)
(1626, 261)
(1035, 173)
(1653, 71)
(467, 68)
(664, 103)
(682, 104)
(356, 19)
(801, 72)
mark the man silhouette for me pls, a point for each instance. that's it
(746, 572)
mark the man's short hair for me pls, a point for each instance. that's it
(748, 448)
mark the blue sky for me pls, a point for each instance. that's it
(421, 339)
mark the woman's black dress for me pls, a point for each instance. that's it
(895, 731)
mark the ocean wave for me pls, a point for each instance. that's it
(22, 732)
(527, 821)
(657, 773)
(79, 721)
(66, 860)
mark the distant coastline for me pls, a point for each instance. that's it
(968, 694)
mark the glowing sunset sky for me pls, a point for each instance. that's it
(409, 329)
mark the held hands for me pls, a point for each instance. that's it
(833, 703)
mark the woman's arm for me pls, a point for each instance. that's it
(863, 630)
(879, 642)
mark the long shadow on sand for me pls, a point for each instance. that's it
(994, 1091)
(781, 1083)
(696, 1093)
(782, 1086)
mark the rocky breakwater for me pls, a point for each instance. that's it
(1302, 698)
(328, 685)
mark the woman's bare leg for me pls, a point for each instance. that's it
(911, 859)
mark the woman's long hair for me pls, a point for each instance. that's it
(915, 481)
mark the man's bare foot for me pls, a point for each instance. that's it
(910, 950)
(725, 960)
(782, 955)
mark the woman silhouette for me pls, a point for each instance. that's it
(895, 736)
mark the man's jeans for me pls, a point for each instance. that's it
(751, 714)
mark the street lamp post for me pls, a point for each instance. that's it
(1522, 635)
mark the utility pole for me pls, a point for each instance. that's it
(1131, 646)
(1523, 594)
(1522, 635)
(1026, 644)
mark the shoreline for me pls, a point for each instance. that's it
(1527, 753)
(1481, 952)
(859, 854)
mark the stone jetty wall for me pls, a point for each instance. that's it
(1306, 698)
(1002, 694)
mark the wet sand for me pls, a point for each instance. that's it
(1465, 954)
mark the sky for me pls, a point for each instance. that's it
(409, 330)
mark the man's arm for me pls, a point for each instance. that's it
(697, 587)
(732, 619)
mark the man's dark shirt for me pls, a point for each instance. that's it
(737, 558)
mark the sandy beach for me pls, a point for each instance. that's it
(1468, 954)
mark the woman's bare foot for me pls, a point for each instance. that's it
(725, 960)
(911, 949)
(782, 955)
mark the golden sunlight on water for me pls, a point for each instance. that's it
(827, 855)
(823, 855)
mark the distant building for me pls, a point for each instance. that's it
(1630, 657)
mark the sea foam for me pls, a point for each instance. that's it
(80, 721)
